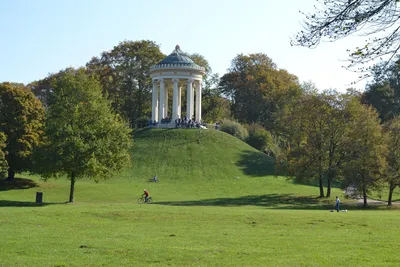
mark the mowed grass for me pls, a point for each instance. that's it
(217, 204)
(157, 235)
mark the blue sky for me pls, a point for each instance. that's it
(39, 37)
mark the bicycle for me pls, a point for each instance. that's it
(141, 200)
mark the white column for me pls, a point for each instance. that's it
(198, 101)
(175, 101)
(166, 101)
(180, 101)
(189, 107)
(154, 102)
(161, 110)
(192, 101)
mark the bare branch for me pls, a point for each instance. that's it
(378, 20)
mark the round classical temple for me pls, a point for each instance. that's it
(180, 71)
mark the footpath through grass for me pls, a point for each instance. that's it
(217, 204)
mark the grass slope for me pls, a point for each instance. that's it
(181, 154)
(202, 214)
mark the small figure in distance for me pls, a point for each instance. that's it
(155, 179)
(146, 195)
(337, 204)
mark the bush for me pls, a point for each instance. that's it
(142, 123)
(234, 128)
(254, 127)
(261, 140)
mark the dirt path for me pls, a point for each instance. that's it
(350, 191)
(376, 202)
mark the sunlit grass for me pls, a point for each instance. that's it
(216, 204)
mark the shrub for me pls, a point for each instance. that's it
(254, 127)
(142, 123)
(261, 140)
(234, 128)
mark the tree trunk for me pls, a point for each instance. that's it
(72, 188)
(364, 189)
(391, 189)
(328, 190)
(321, 187)
(11, 174)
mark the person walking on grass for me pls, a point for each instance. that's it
(337, 203)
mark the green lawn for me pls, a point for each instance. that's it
(217, 204)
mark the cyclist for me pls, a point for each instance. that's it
(146, 195)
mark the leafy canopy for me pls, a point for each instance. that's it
(257, 89)
(383, 93)
(366, 146)
(21, 120)
(392, 172)
(85, 138)
(124, 76)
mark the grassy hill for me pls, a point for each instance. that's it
(180, 154)
(194, 167)
(217, 204)
(206, 167)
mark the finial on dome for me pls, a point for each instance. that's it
(177, 48)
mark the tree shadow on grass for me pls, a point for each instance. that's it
(274, 201)
(21, 204)
(279, 201)
(17, 183)
(254, 163)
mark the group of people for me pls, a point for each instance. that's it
(166, 120)
(163, 121)
(179, 123)
(187, 123)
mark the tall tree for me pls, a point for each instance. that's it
(315, 125)
(215, 106)
(392, 172)
(383, 93)
(366, 146)
(258, 90)
(85, 138)
(21, 120)
(335, 19)
(124, 75)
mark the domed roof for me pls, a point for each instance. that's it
(177, 59)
